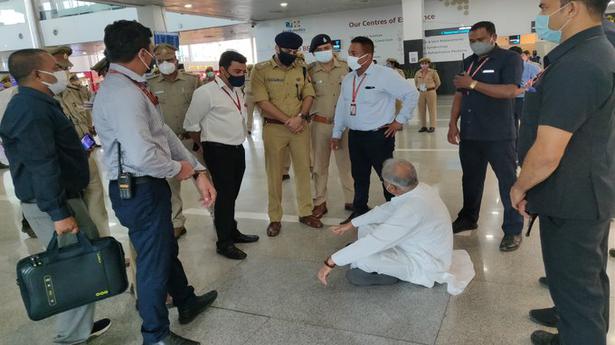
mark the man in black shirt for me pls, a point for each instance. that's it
(484, 104)
(49, 169)
(566, 144)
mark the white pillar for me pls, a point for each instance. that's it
(413, 13)
(152, 17)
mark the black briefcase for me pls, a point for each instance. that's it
(61, 279)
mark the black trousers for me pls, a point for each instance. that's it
(368, 149)
(502, 156)
(518, 112)
(575, 254)
(226, 164)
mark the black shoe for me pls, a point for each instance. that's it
(174, 339)
(612, 253)
(461, 225)
(544, 338)
(27, 229)
(99, 327)
(232, 252)
(431, 130)
(352, 216)
(3, 166)
(547, 317)
(285, 177)
(543, 282)
(423, 130)
(510, 243)
(199, 304)
(245, 238)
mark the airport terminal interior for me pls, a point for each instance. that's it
(274, 296)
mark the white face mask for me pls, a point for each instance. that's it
(61, 81)
(353, 62)
(324, 56)
(167, 68)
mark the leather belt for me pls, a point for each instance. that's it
(216, 144)
(273, 122)
(322, 119)
(142, 180)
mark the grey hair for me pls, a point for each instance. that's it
(400, 173)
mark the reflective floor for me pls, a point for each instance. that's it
(273, 297)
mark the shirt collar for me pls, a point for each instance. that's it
(24, 90)
(180, 76)
(221, 84)
(572, 42)
(407, 195)
(369, 69)
(320, 66)
(127, 72)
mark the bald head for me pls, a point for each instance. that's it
(23, 63)
(401, 174)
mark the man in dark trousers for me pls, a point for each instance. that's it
(567, 178)
(485, 104)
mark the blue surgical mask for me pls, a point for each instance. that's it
(545, 32)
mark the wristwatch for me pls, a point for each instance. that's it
(306, 117)
(473, 85)
(199, 172)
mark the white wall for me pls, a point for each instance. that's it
(17, 34)
(184, 22)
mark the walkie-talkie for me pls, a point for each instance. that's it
(124, 179)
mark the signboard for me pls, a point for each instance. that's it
(448, 44)
(171, 38)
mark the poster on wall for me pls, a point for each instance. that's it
(449, 44)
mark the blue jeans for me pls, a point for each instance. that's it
(148, 218)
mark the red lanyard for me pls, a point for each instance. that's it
(478, 69)
(238, 104)
(355, 91)
(147, 92)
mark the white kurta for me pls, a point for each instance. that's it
(410, 238)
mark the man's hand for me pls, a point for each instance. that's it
(66, 225)
(453, 134)
(295, 124)
(324, 273)
(462, 81)
(392, 129)
(519, 203)
(335, 144)
(207, 190)
(186, 172)
(341, 229)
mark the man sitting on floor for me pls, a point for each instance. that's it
(408, 238)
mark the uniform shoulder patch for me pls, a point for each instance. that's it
(262, 65)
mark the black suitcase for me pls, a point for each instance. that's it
(61, 279)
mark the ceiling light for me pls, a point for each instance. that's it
(284, 4)
(188, 5)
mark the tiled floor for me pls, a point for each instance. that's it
(274, 298)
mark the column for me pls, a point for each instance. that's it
(413, 12)
(152, 17)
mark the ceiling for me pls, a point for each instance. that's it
(257, 10)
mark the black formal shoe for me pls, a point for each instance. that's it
(431, 130)
(27, 229)
(199, 304)
(3, 166)
(99, 327)
(612, 253)
(285, 177)
(232, 252)
(547, 317)
(241, 238)
(174, 339)
(543, 282)
(354, 215)
(510, 243)
(461, 225)
(423, 130)
(544, 338)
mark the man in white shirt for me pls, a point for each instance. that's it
(408, 238)
(217, 118)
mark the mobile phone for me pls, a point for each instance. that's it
(88, 142)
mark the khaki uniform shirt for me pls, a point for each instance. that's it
(73, 104)
(174, 97)
(327, 85)
(430, 79)
(285, 88)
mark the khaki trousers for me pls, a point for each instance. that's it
(250, 109)
(94, 198)
(428, 100)
(321, 149)
(177, 204)
(278, 140)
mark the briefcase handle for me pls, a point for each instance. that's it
(53, 250)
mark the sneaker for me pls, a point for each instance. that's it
(99, 327)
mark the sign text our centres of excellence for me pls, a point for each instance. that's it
(376, 22)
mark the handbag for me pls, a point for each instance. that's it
(61, 279)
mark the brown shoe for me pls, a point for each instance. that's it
(274, 229)
(320, 210)
(311, 221)
(348, 207)
(179, 232)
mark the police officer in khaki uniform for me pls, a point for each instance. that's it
(427, 82)
(327, 74)
(74, 106)
(282, 90)
(174, 89)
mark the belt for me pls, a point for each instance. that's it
(215, 144)
(430, 89)
(273, 122)
(143, 180)
(322, 119)
(381, 129)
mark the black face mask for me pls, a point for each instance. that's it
(236, 81)
(286, 59)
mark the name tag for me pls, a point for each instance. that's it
(275, 80)
(370, 87)
(488, 71)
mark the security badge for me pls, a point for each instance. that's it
(353, 109)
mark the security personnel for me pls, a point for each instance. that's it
(74, 106)
(101, 67)
(567, 178)
(327, 73)
(282, 90)
(484, 102)
(174, 89)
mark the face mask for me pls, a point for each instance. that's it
(167, 68)
(152, 61)
(353, 62)
(481, 48)
(286, 59)
(210, 74)
(424, 66)
(61, 81)
(236, 81)
(544, 31)
(324, 56)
